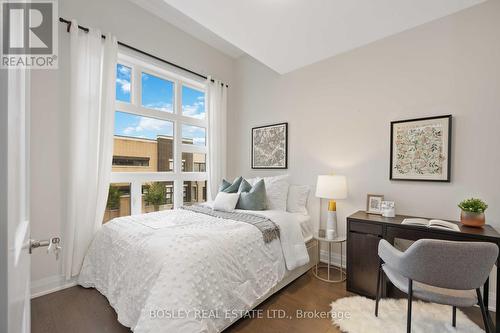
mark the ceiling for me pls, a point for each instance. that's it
(289, 34)
(168, 13)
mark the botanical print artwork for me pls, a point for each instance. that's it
(420, 149)
(269, 146)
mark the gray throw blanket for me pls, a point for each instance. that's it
(267, 227)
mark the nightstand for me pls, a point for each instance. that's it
(323, 271)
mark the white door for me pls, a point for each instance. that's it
(17, 199)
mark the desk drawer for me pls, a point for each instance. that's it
(365, 228)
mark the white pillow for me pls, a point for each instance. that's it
(277, 192)
(297, 199)
(252, 181)
(226, 202)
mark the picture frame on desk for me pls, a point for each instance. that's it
(374, 203)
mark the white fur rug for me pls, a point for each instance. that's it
(357, 315)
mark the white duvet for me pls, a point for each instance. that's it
(181, 271)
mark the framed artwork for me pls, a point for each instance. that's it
(421, 149)
(270, 147)
(374, 203)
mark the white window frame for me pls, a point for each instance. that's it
(137, 179)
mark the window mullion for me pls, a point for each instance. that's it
(136, 197)
(178, 187)
(136, 86)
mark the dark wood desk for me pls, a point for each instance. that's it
(364, 231)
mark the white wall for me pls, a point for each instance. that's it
(50, 91)
(339, 112)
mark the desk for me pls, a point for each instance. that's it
(364, 231)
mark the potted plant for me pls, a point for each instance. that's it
(473, 212)
(156, 195)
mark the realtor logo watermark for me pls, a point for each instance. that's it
(29, 34)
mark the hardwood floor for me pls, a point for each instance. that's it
(83, 310)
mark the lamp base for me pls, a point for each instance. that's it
(331, 222)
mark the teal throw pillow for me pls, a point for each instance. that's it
(233, 188)
(255, 199)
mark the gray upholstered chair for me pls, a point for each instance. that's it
(438, 271)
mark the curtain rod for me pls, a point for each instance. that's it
(68, 22)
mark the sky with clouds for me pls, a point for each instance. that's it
(157, 94)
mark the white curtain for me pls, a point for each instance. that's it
(90, 139)
(217, 118)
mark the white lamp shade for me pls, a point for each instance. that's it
(331, 187)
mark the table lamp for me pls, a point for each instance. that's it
(332, 187)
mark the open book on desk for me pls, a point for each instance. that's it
(437, 224)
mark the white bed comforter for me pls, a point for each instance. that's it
(180, 271)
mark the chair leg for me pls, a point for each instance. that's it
(483, 311)
(379, 281)
(454, 317)
(410, 299)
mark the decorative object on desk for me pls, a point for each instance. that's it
(374, 203)
(437, 224)
(332, 187)
(472, 214)
(421, 148)
(270, 146)
(388, 208)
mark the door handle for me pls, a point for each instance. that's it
(52, 244)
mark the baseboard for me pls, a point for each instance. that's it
(335, 258)
(50, 284)
(335, 261)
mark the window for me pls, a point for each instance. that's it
(146, 138)
(123, 75)
(193, 135)
(194, 192)
(159, 138)
(157, 93)
(118, 203)
(157, 196)
(193, 103)
(193, 162)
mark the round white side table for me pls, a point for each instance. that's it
(328, 266)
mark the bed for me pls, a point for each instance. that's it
(184, 271)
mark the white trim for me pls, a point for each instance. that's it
(151, 65)
(145, 177)
(50, 285)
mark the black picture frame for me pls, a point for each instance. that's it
(285, 124)
(449, 146)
